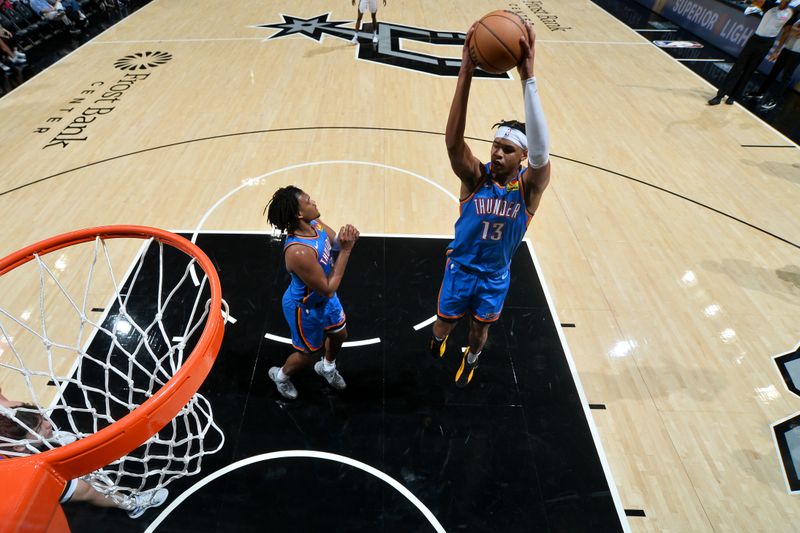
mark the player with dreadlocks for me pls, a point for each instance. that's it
(310, 304)
(498, 201)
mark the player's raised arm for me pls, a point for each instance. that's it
(537, 175)
(465, 165)
(302, 261)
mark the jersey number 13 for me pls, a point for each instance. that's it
(492, 230)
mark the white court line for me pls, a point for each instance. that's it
(157, 41)
(347, 344)
(366, 342)
(251, 182)
(298, 454)
(652, 30)
(690, 59)
(272, 337)
(424, 323)
(584, 402)
(411, 235)
(624, 43)
(787, 139)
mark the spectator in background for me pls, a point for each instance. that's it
(776, 15)
(55, 10)
(9, 50)
(786, 57)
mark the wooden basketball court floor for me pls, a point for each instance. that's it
(668, 237)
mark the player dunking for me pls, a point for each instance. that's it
(310, 304)
(498, 200)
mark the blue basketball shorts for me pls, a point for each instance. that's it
(465, 290)
(309, 324)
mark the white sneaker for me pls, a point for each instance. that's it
(286, 388)
(354, 40)
(374, 38)
(63, 437)
(20, 55)
(144, 500)
(766, 106)
(5, 69)
(333, 377)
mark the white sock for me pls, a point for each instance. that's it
(472, 357)
(281, 375)
(328, 365)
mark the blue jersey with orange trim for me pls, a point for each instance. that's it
(297, 290)
(492, 222)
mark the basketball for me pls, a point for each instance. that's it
(495, 42)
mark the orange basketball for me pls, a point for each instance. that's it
(495, 42)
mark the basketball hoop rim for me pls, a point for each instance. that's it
(120, 438)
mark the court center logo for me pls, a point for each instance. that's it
(71, 123)
(389, 49)
(143, 60)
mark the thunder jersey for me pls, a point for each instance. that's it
(491, 225)
(297, 290)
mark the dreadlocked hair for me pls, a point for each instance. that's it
(11, 429)
(283, 208)
(513, 124)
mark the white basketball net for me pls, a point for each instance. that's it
(102, 364)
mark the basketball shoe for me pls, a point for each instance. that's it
(466, 370)
(332, 376)
(285, 387)
(137, 504)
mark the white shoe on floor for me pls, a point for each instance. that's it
(333, 377)
(286, 387)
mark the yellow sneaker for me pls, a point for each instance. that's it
(466, 370)
(438, 347)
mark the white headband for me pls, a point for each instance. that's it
(513, 135)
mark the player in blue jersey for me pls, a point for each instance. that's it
(498, 201)
(310, 305)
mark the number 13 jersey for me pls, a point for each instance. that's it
(491, 225)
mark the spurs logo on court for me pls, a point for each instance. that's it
(390, 49)
(786, 432)
(142, 60)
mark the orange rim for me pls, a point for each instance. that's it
(44, 470)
